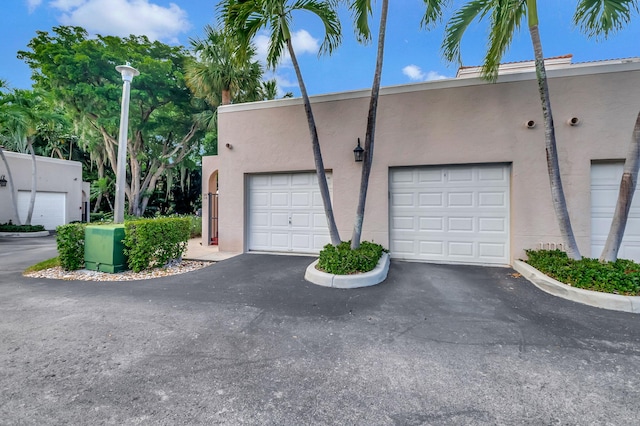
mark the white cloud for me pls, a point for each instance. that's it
(433, 75)
(303, 42)
(124, 17)
(415, 73)
(33, 4)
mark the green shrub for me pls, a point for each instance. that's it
(619, 277)
(10, 227)
(155, 242)
(101, 217)
(70, 242)
(341, 260)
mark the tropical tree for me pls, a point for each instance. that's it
(219, 74)
(505, 18)
(80, 73)
(362, 10)
(600, 18)
(246, 17)
(26, 112)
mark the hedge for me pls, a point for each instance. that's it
(341, 260)
(155, 242)
(70, 243)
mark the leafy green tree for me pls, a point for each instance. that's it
(246, 17)
(22, 113)
(505, 18)
(79, 71)
(601, 18)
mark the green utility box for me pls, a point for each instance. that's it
(104, 248)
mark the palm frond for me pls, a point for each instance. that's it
(601, 18)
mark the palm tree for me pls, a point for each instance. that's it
(361, 10)
(505, 18)
(219, 74)
(600, 18)
(246, 17)
(25, 111)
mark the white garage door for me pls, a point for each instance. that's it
(48, 210)
(286, 213)
(453, 214)
(605, 184)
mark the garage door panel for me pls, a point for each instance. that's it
(301, 220)
(492, 224)
(461, 224)
(488, 250)
(49, 209)
(460, 199)
(462, 214)
(429, 199)
(605, 185)
(286, 213)
(460, 175)
(491, 199)
(488, 175)
(461, 248)
(432, 223)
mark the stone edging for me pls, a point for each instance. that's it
(25, 234)
(613, 302)
(376, 276)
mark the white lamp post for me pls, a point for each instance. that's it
(128, 72)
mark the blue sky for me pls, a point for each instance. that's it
(412, 54)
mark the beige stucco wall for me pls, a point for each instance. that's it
(53, 175)
(464, 121)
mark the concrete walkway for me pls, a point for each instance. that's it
(197, 251)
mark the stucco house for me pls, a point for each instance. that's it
(61, 196)
(459, 172)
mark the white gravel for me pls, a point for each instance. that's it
(58, 273)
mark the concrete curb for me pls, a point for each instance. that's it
(376, 276)
(25, 234)
(613, 302)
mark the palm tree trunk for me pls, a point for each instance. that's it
(34, 183)
(317, 154)
(371, 129)
(625, 197)
(226, 97)
(14, 195)
(553, 166)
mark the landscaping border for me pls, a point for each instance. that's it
(598, 299)
(366, 279)
(25, 234)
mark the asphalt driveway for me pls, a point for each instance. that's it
(248, 341)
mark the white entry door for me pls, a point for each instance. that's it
(48, 210)
(452, 214)
(605, 185)
(286, 213)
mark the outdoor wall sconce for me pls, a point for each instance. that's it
(358, 153)
(3, 181)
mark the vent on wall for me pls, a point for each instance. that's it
(550, 246)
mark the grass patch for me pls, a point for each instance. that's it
(341, 260)
(619, 277)
(45, 264)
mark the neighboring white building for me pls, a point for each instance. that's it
(459, 172)
(61, 196)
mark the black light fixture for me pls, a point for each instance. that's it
(3, 181)
(358, 153)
